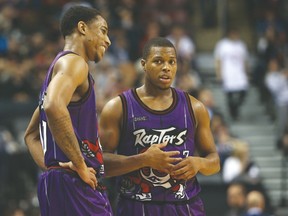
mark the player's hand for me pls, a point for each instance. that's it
(187, 168)
(161, 160)
(87, 174)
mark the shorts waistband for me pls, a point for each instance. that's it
(61, 168)
(100, 187)
(182, 202)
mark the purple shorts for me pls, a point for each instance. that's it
(63, 193)
(193, 207)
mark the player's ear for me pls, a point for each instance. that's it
(82, 27)
(143, 63)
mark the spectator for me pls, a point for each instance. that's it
(277, 83)
(269, 19)
(151, 30)
(185, 47)
(236, 198)
(119, 49)
(266, 50)
(189, 82)
(235, 158)
(205, 95)
(231, 69)
(255, 203)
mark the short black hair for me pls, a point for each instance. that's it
(156, 42)
(73, 15)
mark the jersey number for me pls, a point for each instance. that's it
(186, 153)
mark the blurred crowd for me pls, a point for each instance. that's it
(30, 39)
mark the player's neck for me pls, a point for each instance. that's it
(155, 99)
(149, 91)
(73, 46)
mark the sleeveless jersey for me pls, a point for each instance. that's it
(143, 127)
(84, 120)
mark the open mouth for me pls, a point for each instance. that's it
(165, 79)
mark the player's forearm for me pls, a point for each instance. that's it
(116, 165)
(210, 165)
(36, 151)
(32, 141)
(63, 133)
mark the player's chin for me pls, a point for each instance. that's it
(98, 58)
(165, 87)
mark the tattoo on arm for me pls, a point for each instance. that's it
(64, 136)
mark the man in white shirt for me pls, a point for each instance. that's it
(231, 69)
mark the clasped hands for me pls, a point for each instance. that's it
(171, 163)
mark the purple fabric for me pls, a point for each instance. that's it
(85, 124)
(143, 127)
(128, 207)
(63, 193)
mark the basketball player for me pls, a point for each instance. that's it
(158, 179)
(65, 122)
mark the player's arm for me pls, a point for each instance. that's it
(207, 163)
(210, 163)
(32, 140)
(110, 131)
(70, 72)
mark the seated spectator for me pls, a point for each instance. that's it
(236, 198)
(235, 158)
(255, 204)
(205, 95)
(189, 82)
(217, 121)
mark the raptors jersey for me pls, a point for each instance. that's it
(84, 120)
(143, 127)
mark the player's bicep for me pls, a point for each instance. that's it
(69, 74)
(110, 125)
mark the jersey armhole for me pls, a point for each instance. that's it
(191, 110)
(125, 111)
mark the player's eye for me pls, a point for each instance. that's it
(158, 61)
(172, 62)
(104, 31)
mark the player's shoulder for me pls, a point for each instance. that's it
(71, 62)
(112, 110)
(120, 99)
(72, 58)
(196, 104)
(114, 104)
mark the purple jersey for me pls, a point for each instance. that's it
(84, 120)
(143, 127)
